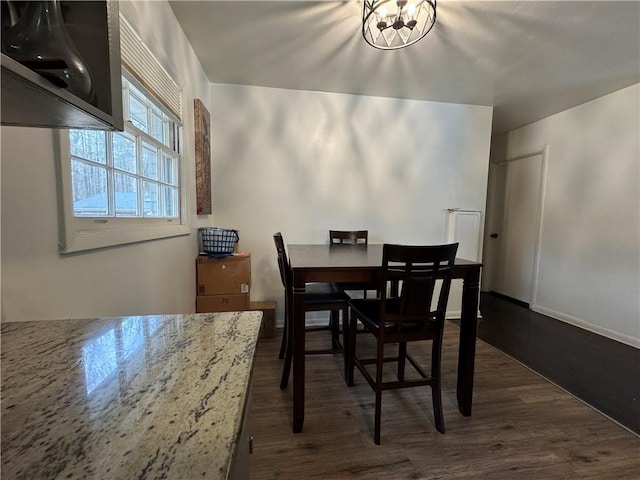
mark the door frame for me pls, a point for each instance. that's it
(488, 251)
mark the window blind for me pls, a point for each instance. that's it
(147, 70)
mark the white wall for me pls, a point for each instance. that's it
(151, 277)
(304, 162)
(299, 162)
(589, 272)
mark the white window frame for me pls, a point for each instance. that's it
(78, 234)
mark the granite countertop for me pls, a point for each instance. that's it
(142, 397)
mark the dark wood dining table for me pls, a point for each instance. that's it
(362, 263)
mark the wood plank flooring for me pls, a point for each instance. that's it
(602, 372)
(522, 426)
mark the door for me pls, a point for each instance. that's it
(514, 236)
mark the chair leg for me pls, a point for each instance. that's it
(288, 354)
(376, 434)
(285, 332)
(286, 370)
(378, 389)
(351, 350)
(437, 405)
(335, 329)
(346, 342)
(402, 357)
(436, 390)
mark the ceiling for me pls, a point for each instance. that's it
(527, 59)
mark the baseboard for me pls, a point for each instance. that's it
(577, 322)
(457, 315)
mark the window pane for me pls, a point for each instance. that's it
(138, 113)
(151, 200)
(89, 185)
(157, 127)
(149, 161)
(88, 144)
(126, 195)
(99, 359)
(132, 335)
(170, 197)
(124, 153)
(169, 169)
(154, 323)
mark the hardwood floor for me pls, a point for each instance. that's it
(522, 426)
(602, 372)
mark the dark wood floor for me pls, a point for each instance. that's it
(602, 372)
(522, 426)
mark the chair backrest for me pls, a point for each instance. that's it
(349, 237)
(283, 260)
(417, 270)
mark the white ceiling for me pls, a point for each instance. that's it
(528, 59)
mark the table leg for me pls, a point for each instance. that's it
(298, 350)
(468, 331)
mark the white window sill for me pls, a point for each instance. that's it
(83, 240)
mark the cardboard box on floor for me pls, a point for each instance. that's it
(223, 276)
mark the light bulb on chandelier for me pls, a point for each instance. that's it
(393, 24)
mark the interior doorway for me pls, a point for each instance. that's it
(513, 226)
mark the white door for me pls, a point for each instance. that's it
(515, 227)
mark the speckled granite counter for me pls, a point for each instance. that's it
(125, 398)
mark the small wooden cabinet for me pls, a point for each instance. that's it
(28, 99)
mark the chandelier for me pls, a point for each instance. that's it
(393, 24)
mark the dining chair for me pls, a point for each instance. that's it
(349, 237)
(420, 273)
(353, 238)
(318, 297)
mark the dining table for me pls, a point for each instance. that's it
(363, 263)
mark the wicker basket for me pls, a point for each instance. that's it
(217, 241)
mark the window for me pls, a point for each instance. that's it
(127, 174)
(122, 187)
